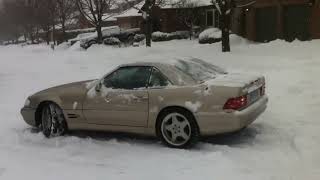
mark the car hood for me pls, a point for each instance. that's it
(64, 95)
(75, 87)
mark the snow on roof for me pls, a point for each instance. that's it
(108, 17)
(132, 12)
(175, 3)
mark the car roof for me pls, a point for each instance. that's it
(153, 64)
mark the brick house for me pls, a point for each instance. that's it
(266, 20)
(165, 18)
(170, 21)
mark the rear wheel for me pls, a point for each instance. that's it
(53, 123)
(177, 128)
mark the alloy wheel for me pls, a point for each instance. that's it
(176, 129)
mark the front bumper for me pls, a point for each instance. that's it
(223, 122)
(28, 115)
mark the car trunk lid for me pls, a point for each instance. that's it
(251, 86)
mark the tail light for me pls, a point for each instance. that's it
(236, 103)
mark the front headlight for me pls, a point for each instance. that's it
(27, 103)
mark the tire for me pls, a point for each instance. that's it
(53, 123)
(177, 128)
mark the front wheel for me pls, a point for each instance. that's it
(53, 121)
(177, 128)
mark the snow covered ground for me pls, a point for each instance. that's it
(283, 144)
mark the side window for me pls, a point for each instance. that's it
(128, 78)
(157, 79)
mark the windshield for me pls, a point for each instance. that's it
(198, 69)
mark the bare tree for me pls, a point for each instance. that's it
(188, 14)
(94, 11)
(47, 17)
(66, 12)
(224, 8)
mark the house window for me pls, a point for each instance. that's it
(210, 18)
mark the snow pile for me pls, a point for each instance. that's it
(63, 46)
(76, 47)
(209, 36)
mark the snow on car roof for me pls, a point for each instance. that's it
(184, 70)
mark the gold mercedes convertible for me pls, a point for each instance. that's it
(177, 101)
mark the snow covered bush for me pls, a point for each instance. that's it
(210, 35)
(180, 35)
(112, 41)
(161, 36)
(139, 37)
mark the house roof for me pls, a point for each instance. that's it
(132, 12)
(177, 3)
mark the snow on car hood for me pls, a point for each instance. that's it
(71, 88)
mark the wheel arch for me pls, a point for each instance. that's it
(39, 110)
(163, 110)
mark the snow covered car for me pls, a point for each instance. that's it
(108, 32)
(177, 101)
(209, 36)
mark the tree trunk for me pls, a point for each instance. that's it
(53, 35)
(191, 31)
(37, 35)
(25, 37)
(48, 37)
(148, 32)
(225, 26)
(64, 35)
(148, 22)
(99, 32)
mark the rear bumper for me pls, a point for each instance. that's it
(223, 122)
(28, 115)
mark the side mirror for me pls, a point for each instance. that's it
(98, 87)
